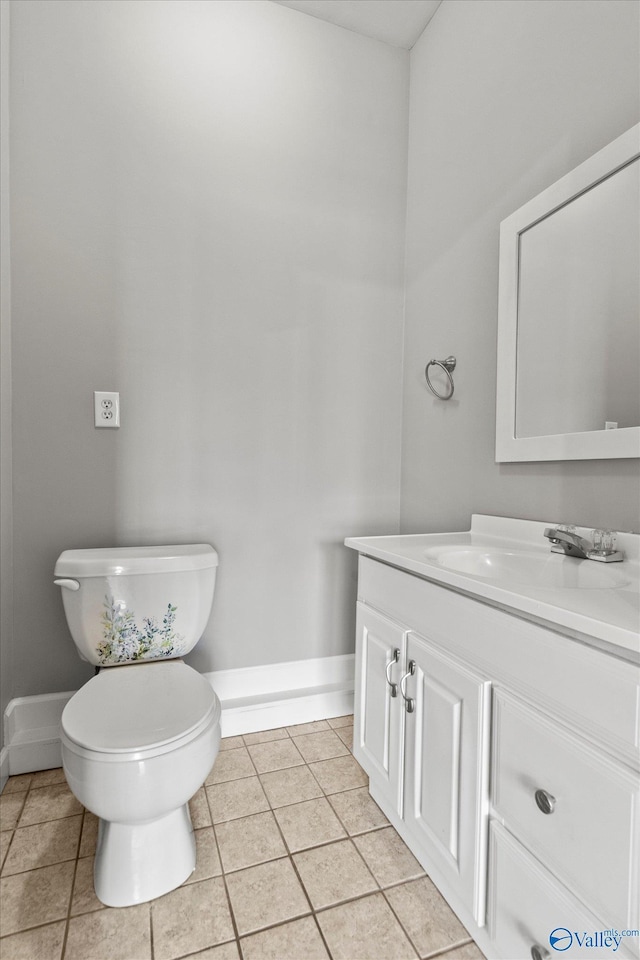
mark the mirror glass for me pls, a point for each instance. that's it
(568, 381)
(578, 334)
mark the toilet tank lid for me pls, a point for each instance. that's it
(122, 561)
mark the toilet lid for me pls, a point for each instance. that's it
(135, 707)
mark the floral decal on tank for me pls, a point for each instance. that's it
(125, 641)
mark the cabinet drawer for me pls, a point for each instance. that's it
(526, 905)
(584, 837)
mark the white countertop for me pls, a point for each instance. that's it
(607, 617)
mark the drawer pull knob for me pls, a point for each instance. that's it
(408, 701)
(546, 803)
(539, 953)
(394, 686)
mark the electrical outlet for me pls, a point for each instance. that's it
(106, 408)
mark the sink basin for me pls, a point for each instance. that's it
(548, 570)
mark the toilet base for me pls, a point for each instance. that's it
(136, 862)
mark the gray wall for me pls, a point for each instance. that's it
(6, 518)
(506, 97)
(208, 216)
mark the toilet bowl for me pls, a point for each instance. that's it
(140, 737)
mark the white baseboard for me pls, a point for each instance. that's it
(283, 694)
(32, 731)
(252, 698)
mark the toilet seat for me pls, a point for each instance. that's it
(139, 711)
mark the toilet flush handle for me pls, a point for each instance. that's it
(67, 584)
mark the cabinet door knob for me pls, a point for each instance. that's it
(408, 701)
(545, 801)
(394, 659)
(539, 953)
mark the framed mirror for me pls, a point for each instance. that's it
(568, 383)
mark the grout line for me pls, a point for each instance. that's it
(198, 953)
(151, 942)
(304, 889)
(402, 926)
(453, 946)
(224, 879)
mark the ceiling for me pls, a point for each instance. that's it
(398, 22)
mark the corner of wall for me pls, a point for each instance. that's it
(6, 504)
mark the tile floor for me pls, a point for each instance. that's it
(295, 862)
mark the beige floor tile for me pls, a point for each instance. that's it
(309, 824)
(18, 784)
(468, 951)
(264, 736)
(427, 918)
(230, 743)
(248, 841)
(225, 951)
(320, 746)
(49, 803)
(357, 811)
(291, 941)
(333, 873)
(207, 858)
(190, 918)
(231, 765)
(43, 943)
(11, 805)
(199, 810)
(43, 844)
(341, 773)
(36, 897)
(45, 778)
(5, 840)
(116, 934)
(84, 898)
(300, 729)
(365, 928)
(89, 836)
(345, 721)
(265, 895)
(346, 735)
(275, 755)
(388, 857)
(290, 786)
(237, 798)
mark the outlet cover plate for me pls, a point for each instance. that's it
(106, 409)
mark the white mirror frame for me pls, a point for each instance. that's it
(595, 445)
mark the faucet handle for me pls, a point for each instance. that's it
(604, 546)
(604, 541)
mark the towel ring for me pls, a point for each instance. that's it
(448, 366)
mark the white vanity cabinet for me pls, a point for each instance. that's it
(420, 733)
(507, 755)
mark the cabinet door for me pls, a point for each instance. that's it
(446, 764)
(378, 714)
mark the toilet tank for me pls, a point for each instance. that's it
(127, 604)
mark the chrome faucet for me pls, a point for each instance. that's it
(569, 543)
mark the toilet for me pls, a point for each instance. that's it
(140, 738)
